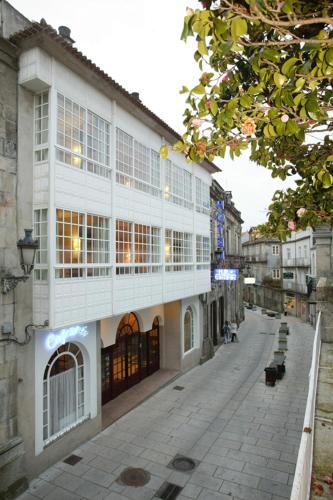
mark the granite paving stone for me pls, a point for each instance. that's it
(244, 434)
(244, 492)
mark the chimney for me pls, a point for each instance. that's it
(65, 32)
(136, 96)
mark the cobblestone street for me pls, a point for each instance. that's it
(243, 434)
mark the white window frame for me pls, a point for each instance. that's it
(41, 234)
(138, 248)
(137, 166)
(203, 251)
(178, 185)
(178, 250)
(80, 396)
(41, 127)
(202, 196)
(83, 138)
(276, 274)
(275, 250)
(79, 267)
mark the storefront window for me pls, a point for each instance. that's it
(188, 330)
(63, 392)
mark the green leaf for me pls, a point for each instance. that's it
(202, 48)
(329, 56)
(311, 104)
(199, 89)
(178, 146)
(329, 158)
(288, 65)
(299, 84)
(238, 28)
(271, 54)
(220, 26)
(246, 101)
(291, 127)
(184, 90)
(214, 107)
(327, 180)
(164, 152)
(279, 79)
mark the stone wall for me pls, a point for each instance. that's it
(12, 480)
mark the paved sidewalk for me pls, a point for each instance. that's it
(244, 435)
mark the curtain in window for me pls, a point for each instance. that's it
(62, 400)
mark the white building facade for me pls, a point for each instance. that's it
(124, 244)
(298, 261)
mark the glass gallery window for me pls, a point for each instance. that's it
(178, 185)
(138, 248)
(40, 233)
(41, 127)
(83, 245)
(202, 196)
(137, 166)
(63, 392)
(203, 252)
(83, 138)
(178, 251)
(188, 330)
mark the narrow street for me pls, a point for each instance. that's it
(243, 435)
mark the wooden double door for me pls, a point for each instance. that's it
(133, 357)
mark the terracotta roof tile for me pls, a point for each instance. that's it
(43, 28)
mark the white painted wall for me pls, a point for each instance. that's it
(59, 186)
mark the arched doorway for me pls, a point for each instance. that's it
(133, 357)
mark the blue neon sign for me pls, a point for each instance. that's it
(226, 274)
(56, 339)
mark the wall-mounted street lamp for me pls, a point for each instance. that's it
(27, 249)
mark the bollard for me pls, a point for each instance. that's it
(284, 327)
(283, 345)
(279, 357)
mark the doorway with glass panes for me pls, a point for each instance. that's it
(133, 357)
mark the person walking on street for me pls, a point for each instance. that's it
(226, 332)
(233, 332)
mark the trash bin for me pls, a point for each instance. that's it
(271, 375)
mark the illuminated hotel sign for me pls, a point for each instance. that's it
(55, 339)
(220, 228)
(226, 274)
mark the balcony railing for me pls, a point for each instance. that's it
(303, 472)
(295, 287)
(296, 262)
(256, 258)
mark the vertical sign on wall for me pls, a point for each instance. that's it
(220, 228)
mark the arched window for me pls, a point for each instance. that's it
(188, 330)
(63, 391)
(128, 324)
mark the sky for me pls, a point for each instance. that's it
(137, 42)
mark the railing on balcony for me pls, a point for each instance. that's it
(256, 258)
(302, 480)
(295, 287)
(296, 262)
